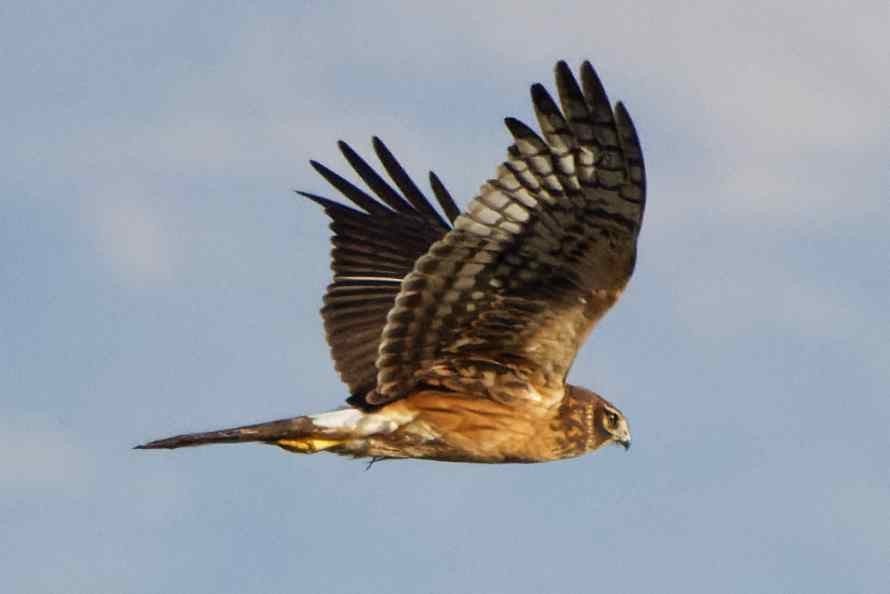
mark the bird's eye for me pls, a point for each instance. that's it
(612, 419)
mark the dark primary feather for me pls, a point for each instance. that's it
(374, 247)
(444, 198)
(505, 299)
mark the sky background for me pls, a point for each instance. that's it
(158, 276)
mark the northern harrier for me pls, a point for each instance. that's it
(455, 336)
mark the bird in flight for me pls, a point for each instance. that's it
(455, 333)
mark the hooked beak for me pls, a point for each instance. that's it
(623, 439)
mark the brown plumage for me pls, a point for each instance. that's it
(455, 334)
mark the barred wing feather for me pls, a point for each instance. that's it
(374, 247)
(501, 304)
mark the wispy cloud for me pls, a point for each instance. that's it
(40, 457)
(132, 237)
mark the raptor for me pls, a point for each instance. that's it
(454, 331)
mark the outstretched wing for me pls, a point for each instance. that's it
(500, 305)
(374, 248)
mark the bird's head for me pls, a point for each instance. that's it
(611, 425)
(601, 422)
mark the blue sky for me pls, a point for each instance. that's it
(158, 276)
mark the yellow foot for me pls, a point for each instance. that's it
(308, 445)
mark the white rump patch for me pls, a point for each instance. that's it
(388, 279)
(361, 423)
(345, 418)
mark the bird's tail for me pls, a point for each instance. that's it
(305, 435)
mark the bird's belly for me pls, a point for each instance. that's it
(452, 428)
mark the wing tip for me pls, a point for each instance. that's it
(320, 200)
(446, 201)
(540, 94)
(517, 127)
(562, 71)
